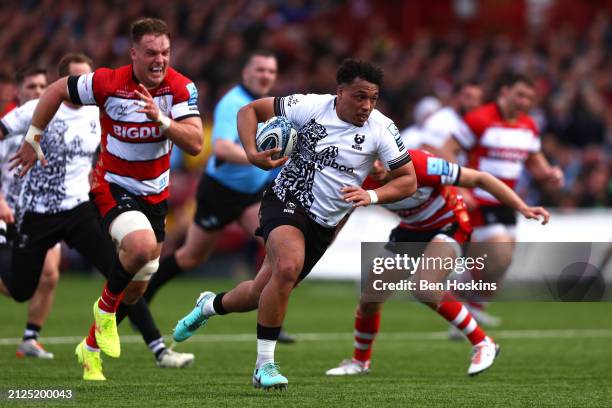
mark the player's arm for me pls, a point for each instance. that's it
(47, 106)
(248, 118)
(401, 183)
(450, 150)
(543, 172)
(230, 152)
(186, 133)
(473, 178)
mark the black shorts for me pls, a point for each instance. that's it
(274, 213)
(126, 201)
(493, 214)
(453, 230)
(219, 205)
(79, 228)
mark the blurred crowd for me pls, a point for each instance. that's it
(423, 47)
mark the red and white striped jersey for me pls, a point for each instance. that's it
(134, 153)
(436, 202)
(498, 146)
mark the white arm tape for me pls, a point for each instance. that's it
(164, 121)
(33, 141)
(126, 223)
(373, 196)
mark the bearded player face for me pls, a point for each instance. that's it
(151, 58)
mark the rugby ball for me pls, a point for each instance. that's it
(277, 131)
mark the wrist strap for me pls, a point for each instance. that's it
(33, 139)
(373, 196)
(164, 121)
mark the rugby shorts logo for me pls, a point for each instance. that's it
(209, 222)
(289, 207)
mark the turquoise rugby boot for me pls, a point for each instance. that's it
(268, 376)
(194, 320)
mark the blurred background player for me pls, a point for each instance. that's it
(129, 193)
(414, 134)
(436, 214)
(230, 188)
(447, 123)
(501, 139)
(313, 192)
(31, 83)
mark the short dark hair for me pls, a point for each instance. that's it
(352, 68)
(461, 85)
(148, 25)
(512, 78)
(258, 53)
(63, 68)
(29, 71)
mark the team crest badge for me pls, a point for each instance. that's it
(359, 139)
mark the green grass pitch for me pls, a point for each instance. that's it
(552, 355)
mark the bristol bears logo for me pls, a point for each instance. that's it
(359, 139)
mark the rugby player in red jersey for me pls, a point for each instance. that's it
(145, 108)
(501, 139)
(435, 213)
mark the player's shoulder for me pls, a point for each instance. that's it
(176, 80)
(381, 123)
(183, 88)
(379, 119)
(420, 157)
(527, 121)
(488, 111)
(109, 79)
(235, 98)
(322, 101)
(444, 116)
(29, 106)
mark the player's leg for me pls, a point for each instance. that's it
(5, 256)
(367, 326)
(494, 234)
(40, 306)
(448, 307)
(90, 240)
(249, 221)
(38, 233)
(286, 250)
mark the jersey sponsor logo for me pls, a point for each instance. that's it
(396, 135)
(359, 139)
(327, 158)
(437, 167)
(134, 132)
(193, 94)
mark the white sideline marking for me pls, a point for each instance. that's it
(414, 336)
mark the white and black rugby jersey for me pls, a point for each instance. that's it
(9, 182)
(331, 154)
(69, 143)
